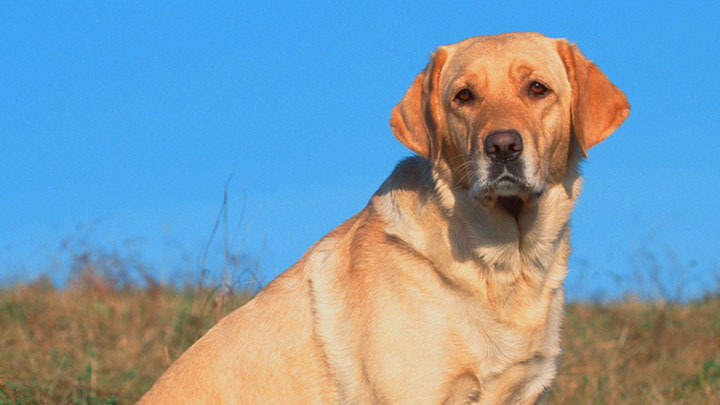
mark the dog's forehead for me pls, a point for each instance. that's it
(502, 52)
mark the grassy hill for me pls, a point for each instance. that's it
(99, 342)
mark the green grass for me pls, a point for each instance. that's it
(96, 343)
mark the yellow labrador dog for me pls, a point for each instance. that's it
(448, 287)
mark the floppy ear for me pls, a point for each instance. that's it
(416, 119)
(598, 107)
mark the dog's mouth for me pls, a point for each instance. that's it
(505, 185)
(508, 185)
(507, 192)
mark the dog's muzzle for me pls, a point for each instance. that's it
(505, 171)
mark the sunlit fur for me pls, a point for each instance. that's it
(447, 287)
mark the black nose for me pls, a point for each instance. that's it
(503, 146)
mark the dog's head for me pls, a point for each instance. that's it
(508, 113)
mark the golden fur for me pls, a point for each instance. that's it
(447, 287)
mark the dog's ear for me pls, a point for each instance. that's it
(416, 119)
(598, 107)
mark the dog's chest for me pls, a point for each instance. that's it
(495, 344)
(508, 362)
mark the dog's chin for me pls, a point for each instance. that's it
(507, 194)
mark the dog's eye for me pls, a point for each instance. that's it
(464, 96)
(538, 89)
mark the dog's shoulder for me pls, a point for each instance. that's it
(413, 174)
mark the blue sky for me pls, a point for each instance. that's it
(132, 115)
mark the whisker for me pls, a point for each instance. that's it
(465, 177)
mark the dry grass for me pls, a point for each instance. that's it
(96, 343)
(634, 352)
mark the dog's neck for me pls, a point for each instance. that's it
(488, 251)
